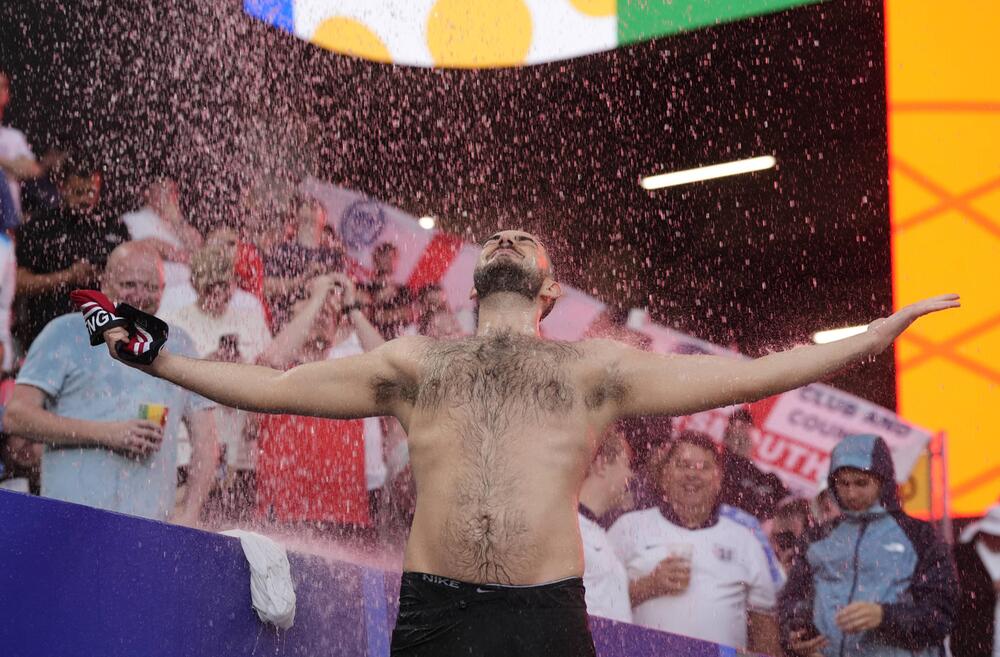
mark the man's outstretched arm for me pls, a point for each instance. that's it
(366, 385)
(676, 385)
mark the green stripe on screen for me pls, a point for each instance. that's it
(646, 19)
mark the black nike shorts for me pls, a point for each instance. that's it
(441, 617)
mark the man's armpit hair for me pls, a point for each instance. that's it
(387, 391)
(612, 389)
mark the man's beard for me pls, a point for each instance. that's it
(504, 275)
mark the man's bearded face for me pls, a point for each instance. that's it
(506, 275)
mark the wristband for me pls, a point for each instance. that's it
(146, 333)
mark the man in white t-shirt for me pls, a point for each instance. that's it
(16, 158)
(697, 567)
(160, 224)
(216, 324)
(224, 330)
(234, 329)
(604, 489)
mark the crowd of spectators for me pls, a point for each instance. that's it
(266, 285)
(864, 580)
(681, 533)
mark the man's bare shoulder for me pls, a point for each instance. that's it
(604, 351)
(599, 371)
(395, 381)
(407, 352)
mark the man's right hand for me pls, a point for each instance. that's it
(672, 575)
(133, 336)
(134, 438)
(807, 644)
(112, 337)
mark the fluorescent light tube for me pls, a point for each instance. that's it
(708, 172)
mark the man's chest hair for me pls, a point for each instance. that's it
(506, 373)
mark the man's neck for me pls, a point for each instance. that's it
(692, 517)
(507, 312)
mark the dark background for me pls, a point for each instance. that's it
(216, 99)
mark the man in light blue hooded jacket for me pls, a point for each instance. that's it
(874, 582)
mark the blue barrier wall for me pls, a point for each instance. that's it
(76, 581)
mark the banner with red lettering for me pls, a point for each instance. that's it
(795, 432)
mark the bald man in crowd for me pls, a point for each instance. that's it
(110, 432)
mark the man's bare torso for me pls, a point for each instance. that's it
(501, 430)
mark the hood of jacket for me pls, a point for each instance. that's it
(869, 453)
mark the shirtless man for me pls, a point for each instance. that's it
(502, 428)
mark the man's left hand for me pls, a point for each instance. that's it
(885, 330)
(859, 617)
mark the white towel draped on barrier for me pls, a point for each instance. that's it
(271, 587)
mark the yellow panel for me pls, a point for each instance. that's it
(596, 7)
(906, 350)
(988, 205)
(909, 198)
(955, 150)
(984, 348)
(944, 127)
(948, 254)
(474, 33)
(942, 394)
(351, 37)
(943, 50)
(915, 493)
